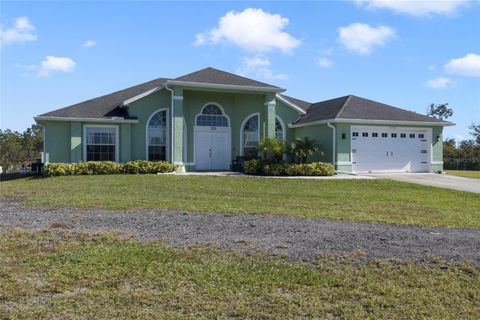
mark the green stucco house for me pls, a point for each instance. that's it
(206, 119)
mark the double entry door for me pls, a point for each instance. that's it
(212, 148)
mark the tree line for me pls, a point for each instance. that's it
(17, 148)
(464, 155)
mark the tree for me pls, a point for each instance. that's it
(300, 149)
(475, 127)
(439, 111)
(17, 148)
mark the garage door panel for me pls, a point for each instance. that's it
(389, 149)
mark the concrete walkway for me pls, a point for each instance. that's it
(434, 180)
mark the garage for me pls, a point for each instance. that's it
(390, 149)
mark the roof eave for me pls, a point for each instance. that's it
(204, 85)
(294, 106)
(141, 95)
(70, 119)
(373, 121)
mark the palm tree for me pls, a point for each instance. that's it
(300, 149)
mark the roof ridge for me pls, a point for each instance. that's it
(342, 109)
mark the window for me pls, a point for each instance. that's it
(412, 135)
(101, 143)
(420, 135)
(375, 134)
(393, 135)
(250, 136)
(384, 135)
(364, 134)
(403, 135)
(423, 151)
(212, 116)
(157, 136)
(354, 134)
(279, 129)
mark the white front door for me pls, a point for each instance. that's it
(390, 149)
(212, 148)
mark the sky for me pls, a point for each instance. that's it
(404, 53)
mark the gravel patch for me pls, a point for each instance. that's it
(294, 237)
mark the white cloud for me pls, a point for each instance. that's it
(55, 64)
(21, 31)
(363, 38)
(259, 67)
(439, 83)
(468, 66)
(252, 30)
(431, 67)
(415, 7)
(324, 62)
(89, 44)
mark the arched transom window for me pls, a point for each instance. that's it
(250, 136)
(212, 116)
(157, 136)
(279, 134)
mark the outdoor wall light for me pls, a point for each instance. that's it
(439, 138)
(344, 136)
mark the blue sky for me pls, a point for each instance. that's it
(405, 54)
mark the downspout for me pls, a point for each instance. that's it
(333, 142)
(171, 122)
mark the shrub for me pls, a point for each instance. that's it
(275, 169)
(310, 169)
(253, 166)
(258, 167)
(142, 166)
(106, 167)
(271, 149)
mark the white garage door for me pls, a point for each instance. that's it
(390, 149)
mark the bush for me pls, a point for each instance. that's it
(142, 166)
(258, 167)
(253, 166)
(106, 167)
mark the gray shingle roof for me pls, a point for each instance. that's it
(353, 107)
(299, 103)
(105, 106)
(215, 76)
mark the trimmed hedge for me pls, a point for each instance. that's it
(107, 167)
(259, 167)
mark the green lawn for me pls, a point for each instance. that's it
(359, 200)
(62, 275)
(464, 173)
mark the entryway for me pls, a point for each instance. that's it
(212, 148)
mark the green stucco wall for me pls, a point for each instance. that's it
(323, 135)
(57, 141)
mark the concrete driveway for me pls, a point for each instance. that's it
(434, 180)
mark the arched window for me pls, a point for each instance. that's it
(157, 136)
(250, 136)
(212, 116)
(279, 129)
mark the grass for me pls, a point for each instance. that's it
(64, 275)
(464, 173)
(359, 200)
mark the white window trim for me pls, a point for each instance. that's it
(167, 143)
(241, 129)
(215, 104)
(117, 139)
(284, 131)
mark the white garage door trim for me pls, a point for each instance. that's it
(376, 161)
